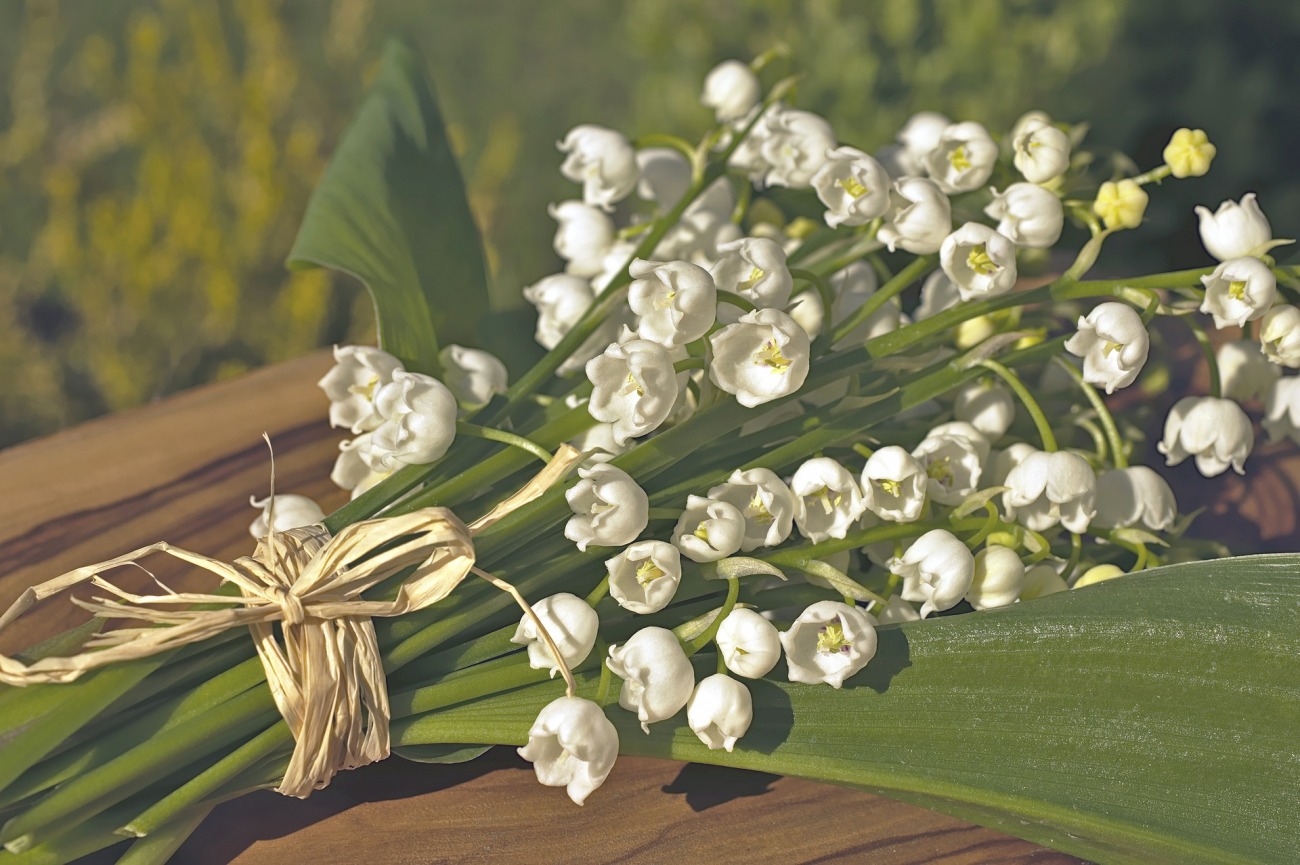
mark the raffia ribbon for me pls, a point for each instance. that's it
(327, 678)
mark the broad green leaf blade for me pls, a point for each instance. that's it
(391, 211)
(1149, 719)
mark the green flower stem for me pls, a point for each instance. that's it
(883, 295)
(158, 847)
(659, 139)
(690, 363)
(730, 297)
(993, 520)
(1207, 349)
(1116, 444)
(1031, 404)
(729, 604)
(598, 593)
(506, 438)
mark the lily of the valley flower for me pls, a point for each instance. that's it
(1040, 580)
(560, 299)
(358, 373)
(755, 269)
(1235, 230)
(988, 406)
(1028, 214)
(473, 375)
(720, 711)
(749, 644)
(953, 455)
(1245, 372)
(829, 642)
(1121, 204)
(645, 576)
(731, 89)
(1113, 342)
(676, 302)
(919, 135)
(894, 484)
(920, 217)
(1279, 335)
(937, 570)
(419, 425)
(999, 578)
(827, 501)
(1135, 496)
(289, 512)
(597, 444)
(583, 236)
(1049, 488)
(665, 175)
(853, 186)
(572, 745)
(1215, 431)
(355, 469)
(603, 161)
(708, 529)
(634, 387)
(762, 357)
(794, 146)
(764, 501)
(657, 676)
(897, 610)
(1189, 153)
(1042, 152)
(1282, 410)
(572, 624)
(980, 261)
(852, 286)
(963, 159)
(1005, 460)
(1239, 290)
(938, 293)
(609, 508)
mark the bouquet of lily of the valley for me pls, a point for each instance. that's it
(819, 475)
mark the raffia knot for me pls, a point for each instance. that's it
(294, 612)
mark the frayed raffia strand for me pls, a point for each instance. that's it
(327, 678)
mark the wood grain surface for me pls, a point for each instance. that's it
(183, 469)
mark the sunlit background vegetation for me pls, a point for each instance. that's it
(155, 157)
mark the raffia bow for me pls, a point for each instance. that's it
(328, 677)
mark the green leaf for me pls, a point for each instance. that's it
(391, 211)
(737, 567)
(1149, 719)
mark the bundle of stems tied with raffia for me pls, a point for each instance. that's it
(819, 474)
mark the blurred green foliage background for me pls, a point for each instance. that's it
(156, 155)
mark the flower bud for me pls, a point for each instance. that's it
(920, 217)
(1282, 410)
(953, 455)
(1235, 230)
(1113, 343)
(419, 425)
(1050, 488)
(583, 237)
(829, 642)
(894, 484)
(937, 569)
(827, 501)
(572, 745)
(709, 530)
(1029, 215)
(1121, 204)
(755, 269)
(359, 371)
(750, 645)
(1214, 431)
(676, 302)
(938, 293)
(286, 512)
(720, 711)
(1099, 574)
(731, 89)
(665, 176)
(1135, 496)
(1189, 153)
(634, 387)
(657, 676)
(963, 159)
(1239, 290)
(853, 186)
(1279, 336)
(609, 508)
(603, 161)
(1245, 373)
(572, 624)
(1042, 152)
(561, 299)
(999, 578)
(980, 261)
(1041, 580)
(474, 376)
(764, 501)
(762, 357)
(645, 576)
(986, 405)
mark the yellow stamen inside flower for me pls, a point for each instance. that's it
(366, 390)
(959, 159)
(893, 488)
(702, 532)
(1113, 348)
(829, 503)
(757, 510)
(647, 572)
(852, 186)
(1237, 290)
(831, 640)
(755, 275)
(940, 470)
(979, 260)
(770, 355)
(633, 385)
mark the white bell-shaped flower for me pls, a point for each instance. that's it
(1113, 342)
(1239, 290)
(1215, 431)
(634, 386)
(1028, 214)
(755, 269)
(658, 678)
(665, 176)
(355, 469)
(938, 293)
(979, 260)
(645, 576)
(583, 237)
(894, 484)
(676, 302)
(1279, 336)
(419, 425)
(999, 578)
(1235, 230)
(852, 286)
(1282, 410)
(897, 611)
(709, 530)
(1040, 580)
(963, 159)
(937, 570)
(920, 217)
(794, 146)
(853, 186)
(1004, 461)
(764, 356)
(572, 745)
(1047, 488)
(827, 501)
(358, 373)
(1245, 372)
(953, 455)
(699, 236)
(288, 512)
(473, 375)
(720, 711)
(1041, 151)
(1135, 496)
(597, 444)
(750, 645)
(731, 89)
(987, 405)
(560, 299)
(919, 135)
(609, 508)
(829, 642)
(572, 624)
(764, 501)
(603, 161)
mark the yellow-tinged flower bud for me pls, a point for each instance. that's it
(1121, 204)
(1099, 574)
(1189, 153)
